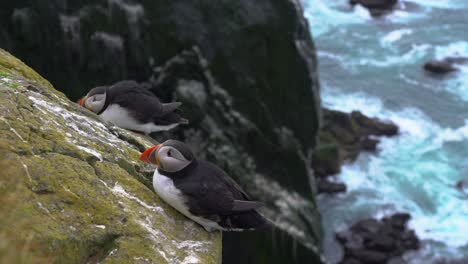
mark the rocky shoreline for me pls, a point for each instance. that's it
(342, 137)
(379, 8)
(445, 65)
(371, 241)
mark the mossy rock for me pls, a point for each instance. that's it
(72, 189)
(327, 160)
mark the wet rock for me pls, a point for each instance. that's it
(397, 260)
(439, 66)
(366, 226)
(369, 256)
(350, 240)
(374, 126)
(375, 4)
(376, 7)
(351, 261)
(457, 59)
(343, 136)
(378, 241)
(462, 185)
(398, 220)
(326, 160)
(383, 243)
(445, 65)
(326, 186)
(369, 144)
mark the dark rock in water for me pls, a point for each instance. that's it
(326, 186)
(372, 241)
(382, 243)
(374, 126)
(343, 136)
(462, 185)
(398, 220)
(397, 260)
(369, 256)
(350, 240)
(447, 260)
(439, 66)
(369, 144)
(326, 160)
(341, 132)
(457, 60)
(375, 4)
(351, 261)
(376, 7)
(366, 226)
(446, 65)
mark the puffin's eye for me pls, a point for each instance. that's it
(169, 154)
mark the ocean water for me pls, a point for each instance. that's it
(375, 66)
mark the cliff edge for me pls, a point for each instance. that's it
(73, 190)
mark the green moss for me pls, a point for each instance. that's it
(9, 84)
(4, 74)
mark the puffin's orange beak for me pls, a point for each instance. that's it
(146, 154)
(81, 101)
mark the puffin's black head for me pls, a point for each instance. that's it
(95, 99)
(171, 155)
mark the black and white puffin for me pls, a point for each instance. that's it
(200, 190)
(128, 105)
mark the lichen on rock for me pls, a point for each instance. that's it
(73, 188)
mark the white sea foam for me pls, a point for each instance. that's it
(458, 84)
(396, 35)
(414, 172)
(455, 49)
(416, 53)
(444, 4)
(324, 15)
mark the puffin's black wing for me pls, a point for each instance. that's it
(214, 195)
(213, 192)
(142, 104)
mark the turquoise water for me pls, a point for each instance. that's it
(375, 66)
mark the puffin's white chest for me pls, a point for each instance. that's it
(164, 187)
(121, 117)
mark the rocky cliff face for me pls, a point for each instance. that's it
(72, 189)
(245, 71)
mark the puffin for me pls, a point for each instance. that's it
(201, 190)
(128, 105)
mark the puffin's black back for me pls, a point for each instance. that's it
(142, 104)
(211, 194)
